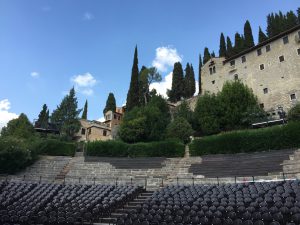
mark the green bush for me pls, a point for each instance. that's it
(56, 147)
(272, 138)
(294, 113)
(15, 154)
(168, 148)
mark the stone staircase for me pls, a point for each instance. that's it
(112, 219)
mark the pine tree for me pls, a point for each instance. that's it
(66, 115)
(176, 91)
(199, 75)
(206, 56)
(261, 36)
(133, 92)
(43, 118)
(110, 103)
(85, 109)
(249, 41)
(229, 47)
(222, 50)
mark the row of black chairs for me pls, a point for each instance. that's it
(42, 203)
(265, 203)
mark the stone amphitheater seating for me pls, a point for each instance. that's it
(240, 165)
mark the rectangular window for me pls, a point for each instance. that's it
(259, 51)
(285, 40)
(232, 62)
(261, 66)
(236, 77)
(268, 48)
(281, 58)
(90, 131)
(214, 69)
(299, 33)
(83, 131)
(213, 82)
(293, 96)
(298, 51)
(266, 90)
(210, 71)
(115, 117)
(243, 59)
(104, 132)
(261, 105)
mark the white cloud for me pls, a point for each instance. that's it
(102, 119)
(5, 115)
(88, 16)
(84, 83)
(165, 57)
(166, 84)
(35, 74)
(162, 87)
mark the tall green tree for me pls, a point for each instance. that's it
(249, 41)
(261, 36)
(66, 116)
(184, 111)
(189, 81)
(298, 15)
(238, 43)
(147, 77)
(222, 50)
(133, 92)
(85, 110)
(229, 47)
(43, 118)
(110, 103)
(206, 56)
(19, 128)
(199, 75)
(176, 92)
(181, 129)
(213, 55)
(291, 20)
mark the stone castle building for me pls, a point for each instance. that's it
(92, 130)
(271, 69)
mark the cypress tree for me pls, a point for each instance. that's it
(229, 47)
(199, 75)
(176, 92)
(213, 55)
(133, 92)
(261, 36)
(298, 14)
(187, 81)
(291, 20)
(85, 109)
(110, 103)
(238, 43)
(193, 82)
(249, 41)
(206, 56)
(222, 50)
(43, 118)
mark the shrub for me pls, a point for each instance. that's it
(56, 147)
(169, 148)
(14, 154)
(181, 129)
(294, 113)
(272, 138)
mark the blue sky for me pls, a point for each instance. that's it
(46, 47)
